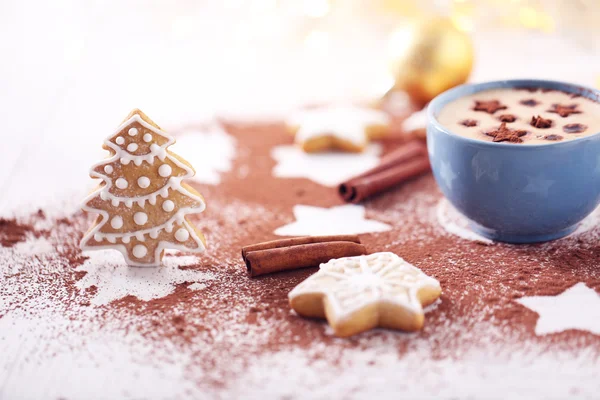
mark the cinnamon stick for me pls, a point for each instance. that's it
(293, 253)
(406, 162)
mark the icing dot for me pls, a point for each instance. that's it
(165, 170)
(132, 147)
(147, 137)
(121, 183)
(168, 205)
(97, 237)
(108, 169)
(139, 251)
(126, 239)
(182, 235)
(125, 161)
(120, 140)
(116, 222)
(140, 218)
(143, 182)
(133, 131)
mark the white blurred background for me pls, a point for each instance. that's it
(71, 69)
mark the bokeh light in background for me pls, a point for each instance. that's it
(186, 60)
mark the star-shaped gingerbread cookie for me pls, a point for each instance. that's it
(345, 128)
(356, 294)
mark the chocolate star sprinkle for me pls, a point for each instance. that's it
(469, 122)
(504, 134)
(489, 107)
(507, 118)
(574, 128)
(540, 122)
(564, 111)
(529, 102)
(553, 137)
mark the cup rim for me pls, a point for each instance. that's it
(459, 91)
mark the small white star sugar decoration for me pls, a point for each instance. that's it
(327, 169)
(341, 127)
(356, 294)
(341, 220)
(576, 308)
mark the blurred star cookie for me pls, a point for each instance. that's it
(345, 128)
(356, 294)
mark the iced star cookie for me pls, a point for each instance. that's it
(356, 294)
(345, 128)
(141, 201)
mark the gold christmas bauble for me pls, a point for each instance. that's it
(429, 57)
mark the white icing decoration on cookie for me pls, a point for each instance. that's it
(121, 183)
(182, 235)
(143, 182)
(348, 123)
(172, 184)
(120, 140)
(131, 147)
(139, 250)
(354, 283)
(168, 206)
(140, 218)
(147, 137)
(165, 170)
(116, 222)
(132, 131)
(108, 169)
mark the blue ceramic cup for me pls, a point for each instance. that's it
(513, 192)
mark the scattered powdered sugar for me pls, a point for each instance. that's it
(113, 279)
(210, 150)
(327, 169)
(34, 247)
(361, 372)
(85, 361)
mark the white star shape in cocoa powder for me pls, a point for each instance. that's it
(327, 169)
(356, 294)
(341, 220)
(576, 308)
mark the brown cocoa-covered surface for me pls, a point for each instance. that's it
(241, 331)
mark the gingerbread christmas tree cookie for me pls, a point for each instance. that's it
(356, 294)
(345, 128)
(142, 202)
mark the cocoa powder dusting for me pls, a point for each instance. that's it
(229, 324)
(13, 232)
